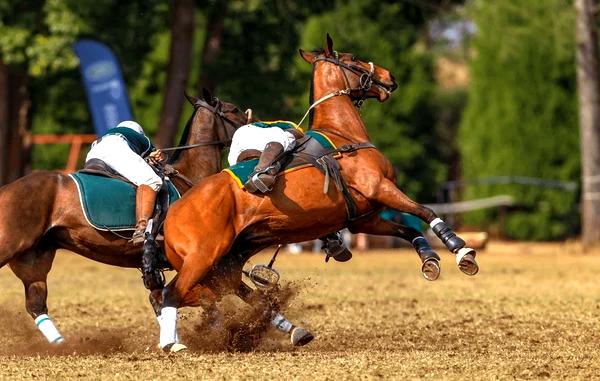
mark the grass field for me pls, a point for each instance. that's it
(531, 313)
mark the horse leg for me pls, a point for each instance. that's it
(430, 261)
(32, 267)
(386, 193)
(195, 260)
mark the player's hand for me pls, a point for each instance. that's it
(156, 157)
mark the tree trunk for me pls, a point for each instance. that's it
(182, 33)
(4, 122)
(212, 45)
(15, 124)
(589, 120)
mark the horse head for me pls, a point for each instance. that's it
(362, 78)
(208, 130)
(227, 115)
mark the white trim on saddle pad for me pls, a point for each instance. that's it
(81, 204)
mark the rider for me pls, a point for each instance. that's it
(124, 148)
(269, 140)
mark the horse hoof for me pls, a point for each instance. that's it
(177, 347)
(465, 258)
(431, 269)
(300, 337)
(173, 348)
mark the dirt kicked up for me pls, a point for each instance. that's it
(533, 312)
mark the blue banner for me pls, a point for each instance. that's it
(104, 85)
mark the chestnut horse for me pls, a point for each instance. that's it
(217, 217)
(33, 228)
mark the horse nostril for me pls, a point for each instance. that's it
(392, 77)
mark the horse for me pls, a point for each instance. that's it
(33, 228)
(217, 217)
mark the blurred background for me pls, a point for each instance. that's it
(487, 106)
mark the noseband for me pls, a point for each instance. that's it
(365, 78)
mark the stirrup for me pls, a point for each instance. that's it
(256, 184)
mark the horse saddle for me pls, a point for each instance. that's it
(108, 200)
(313, 144)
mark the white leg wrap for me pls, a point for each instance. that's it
(435, 222)
(281, 323)
(168, 326)
(462, 252)
(49, 330)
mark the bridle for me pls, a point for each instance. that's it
(366, 80)
(216, 110)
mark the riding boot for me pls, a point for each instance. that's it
(144, 207)
(334, 247)
(263, 177)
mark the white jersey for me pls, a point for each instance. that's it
(115, 152)
(254, 137)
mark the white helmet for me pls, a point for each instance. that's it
(132, 125)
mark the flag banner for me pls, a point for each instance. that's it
(104, 85)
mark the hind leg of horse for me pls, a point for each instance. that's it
(386, 193)
(32, 267)
(430, 265)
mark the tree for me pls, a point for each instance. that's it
(521, 113)
(588, 84)
(180, 61)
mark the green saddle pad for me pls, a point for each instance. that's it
(109, 204)
(240, 172)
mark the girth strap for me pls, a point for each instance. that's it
(331, 168)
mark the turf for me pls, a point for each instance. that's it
(531, 313)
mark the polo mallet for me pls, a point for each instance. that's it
(264, 277)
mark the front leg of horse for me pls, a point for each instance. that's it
(32, 268)
(388, 194)
(430, 260)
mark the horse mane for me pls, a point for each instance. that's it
(311, 99)
(184, 138)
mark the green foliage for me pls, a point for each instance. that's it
(403, 128)
(37, 36)
(521, 115)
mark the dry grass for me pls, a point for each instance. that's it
(531, 313)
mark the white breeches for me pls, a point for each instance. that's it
(252, 137)
(115, 152)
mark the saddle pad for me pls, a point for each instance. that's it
(240, 172)
(109, 204)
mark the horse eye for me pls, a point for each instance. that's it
(353, 58)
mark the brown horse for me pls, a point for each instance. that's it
(33, 228)
(217, 217)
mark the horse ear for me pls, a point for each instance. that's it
(329, 46)
(190, 98)
(306, 56)
(206, 94)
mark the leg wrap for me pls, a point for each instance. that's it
(168, 326)
(151, 273)
(46, 326)
(281, 323)
(424, 250)
(446, 235)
